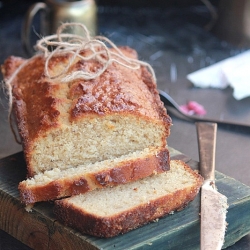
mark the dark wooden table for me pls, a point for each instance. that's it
(174, 41)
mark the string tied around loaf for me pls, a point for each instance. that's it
(97, 49)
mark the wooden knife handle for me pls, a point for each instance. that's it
(206, 133)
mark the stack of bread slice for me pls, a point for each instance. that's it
(112, 211)
(96, 146)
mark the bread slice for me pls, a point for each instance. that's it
(56, 183)
(65, 124)
(112, 211)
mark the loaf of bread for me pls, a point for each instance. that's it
(57, 183)
(112, 211)
(65, 124)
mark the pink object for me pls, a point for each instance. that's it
(192, 108)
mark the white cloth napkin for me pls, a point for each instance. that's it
(234, 72)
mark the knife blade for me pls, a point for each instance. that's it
(213, 204)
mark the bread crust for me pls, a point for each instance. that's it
(124, 172)
(110, 226)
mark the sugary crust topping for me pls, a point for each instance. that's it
(42, 103)
(34, 103)
(10, 65)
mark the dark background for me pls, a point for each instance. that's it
(171, 36)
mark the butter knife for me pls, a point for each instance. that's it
(213, 204)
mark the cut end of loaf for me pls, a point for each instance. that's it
(117, 210)
(95, 139)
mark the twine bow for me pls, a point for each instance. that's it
(97, 47)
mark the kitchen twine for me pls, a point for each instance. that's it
(67, 43)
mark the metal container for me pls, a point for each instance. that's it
(56, 12)
(233, 24)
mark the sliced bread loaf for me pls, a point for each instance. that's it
(112, 211)
(56, 183)
(64, 124)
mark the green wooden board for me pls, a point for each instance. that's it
(40, 230)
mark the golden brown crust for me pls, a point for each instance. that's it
(134, 169)
(122, 173)
(88, 223)
(10, 65)
(118, 89)
(159, 106)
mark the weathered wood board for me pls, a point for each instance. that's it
(40, 230)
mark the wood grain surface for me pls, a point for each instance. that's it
(40, 230)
